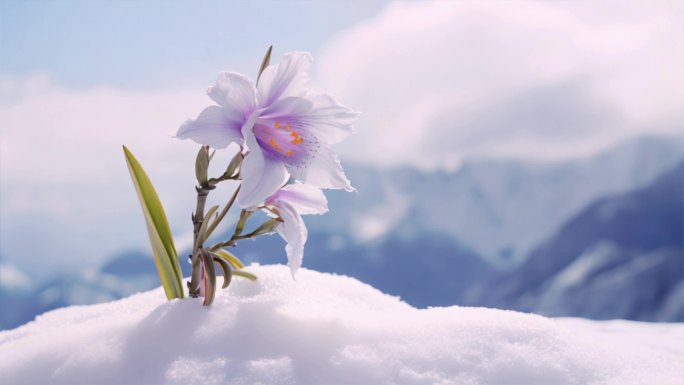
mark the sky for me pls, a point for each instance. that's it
(436, 83)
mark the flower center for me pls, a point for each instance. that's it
(286, 140)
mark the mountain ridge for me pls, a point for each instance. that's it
(633, 240)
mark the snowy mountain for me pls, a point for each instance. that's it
(15, 290)
(621, 257)
(472, 222)
(499, 209)
(125, 274)
(423, 268)
(328, 329)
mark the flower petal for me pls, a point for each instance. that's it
(304, 198)
(288, 78)
(330, 121)
(291, 106)
(213, 128)
(294, 232)
(323, 170)
(235, 93)
(262, 176)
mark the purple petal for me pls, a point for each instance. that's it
(213, 128)
(262, 175)
(323, 170)
(287, 108)
(294, 232)
(330, 121)
(288, 78)
(305, 199)
(235, 93)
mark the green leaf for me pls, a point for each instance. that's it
(230, 258)
(244, 215)
(161, 240)
(245, 274)
(209, 280)
(267, 227)
(223, 212)
(265, 62)
(227, 273)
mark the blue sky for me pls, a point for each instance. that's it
(160, 44)
(437, 82)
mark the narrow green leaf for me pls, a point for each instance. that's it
(209, 280)
(161, 240)
(230, 258)
(227, 273)
(267, 227)
(265, 62)
(223, 212)
(203, 234)
(245, 274)
(244, 215)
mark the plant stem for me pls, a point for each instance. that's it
(225, 210)
(197, 219)
(232, 241)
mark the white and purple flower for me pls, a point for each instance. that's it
(286, 130)
(290, 203)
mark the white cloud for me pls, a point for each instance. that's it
(427, 72)
(436, 82)
(66, 196)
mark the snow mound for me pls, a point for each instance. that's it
(328, 329)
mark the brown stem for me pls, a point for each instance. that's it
(197, 219)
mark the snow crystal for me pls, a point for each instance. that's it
(324, 328)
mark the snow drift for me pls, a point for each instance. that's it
(324, 328)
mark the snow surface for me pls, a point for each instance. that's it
(327, 329)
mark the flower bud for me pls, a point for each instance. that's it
(234, 166)
(202, 166)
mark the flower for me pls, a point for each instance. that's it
(290, 203)
(287, 130)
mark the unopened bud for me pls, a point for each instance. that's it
(202, 166)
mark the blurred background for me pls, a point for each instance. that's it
(519, 155)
